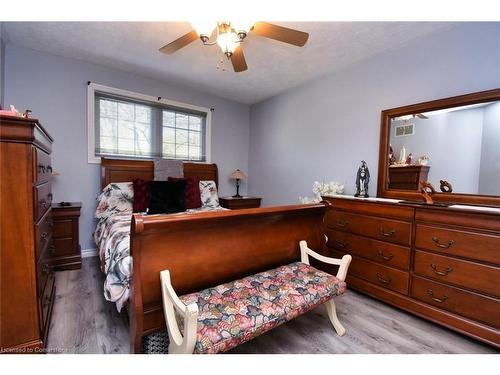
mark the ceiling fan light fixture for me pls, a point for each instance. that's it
(204, 28)
(242, 27)
(228, 41)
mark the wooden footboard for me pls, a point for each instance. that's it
(207, 249)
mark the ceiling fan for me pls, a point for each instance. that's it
(230, 35)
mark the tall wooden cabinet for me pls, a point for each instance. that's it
(440, 263)
(27, 287)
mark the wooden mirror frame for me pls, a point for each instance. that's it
(383, 166)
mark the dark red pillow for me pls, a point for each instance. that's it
(192, 197)
(141, 195)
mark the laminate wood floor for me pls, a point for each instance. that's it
(84, 322)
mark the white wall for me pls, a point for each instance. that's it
(489, 176)
(453, 143)
(55, 89)
(322, 130)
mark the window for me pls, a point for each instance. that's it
(132, 125)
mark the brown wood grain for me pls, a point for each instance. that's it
(465, 274)
(120, 170)
(389, 230)
(458, 242)
(383, 189)
(207, 249)
(24, 318)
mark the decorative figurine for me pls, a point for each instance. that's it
(423, 160)
(402, 155)
(445, 186)
(362, 180)
(392, 158)
(409, 159)
(26, 113)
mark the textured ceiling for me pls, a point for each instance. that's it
(273, 66)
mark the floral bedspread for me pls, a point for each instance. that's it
(233, 313)
(112, 237)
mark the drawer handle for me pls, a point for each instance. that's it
(341, 244)
(387, 234)
(382, 280)
(439, 300)
(44, 235)
(341, 223)
(50, 196)
(441, 273)
(49, 169)
(41, 168)
(43, 203)
(381, 254)
(443, 245)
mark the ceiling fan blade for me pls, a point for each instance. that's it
(179, 43)
(238, 60)
(280, 33)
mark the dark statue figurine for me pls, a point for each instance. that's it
(362, 180)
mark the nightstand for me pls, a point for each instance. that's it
(238, 203)
(67, 254)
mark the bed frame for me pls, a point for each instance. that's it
(120, 170)
(206, 249)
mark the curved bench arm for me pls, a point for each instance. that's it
(343, 263)
(179, 344)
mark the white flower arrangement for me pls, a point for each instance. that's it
(323, 189)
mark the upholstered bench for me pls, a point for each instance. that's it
(218, 319)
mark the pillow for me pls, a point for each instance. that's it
(141, 195)
(164, 168)
(208, 193)
(166, 197)
(192, 195)
(115, 198)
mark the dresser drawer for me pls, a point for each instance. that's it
(469, 275)
(376, 227)
(43, 271)
(63, 228)
(387, 277)
(43, 234)
(462, 243)
(378, 251)
(42, 168)
(46, 300)
(42, 199)
(468, 304)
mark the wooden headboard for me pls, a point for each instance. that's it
(119, 170)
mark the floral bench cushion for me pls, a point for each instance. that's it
(233, 313)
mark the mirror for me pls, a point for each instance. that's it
(453, 144)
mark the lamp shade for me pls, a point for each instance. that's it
(238, 175)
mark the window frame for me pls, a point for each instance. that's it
(92, 88)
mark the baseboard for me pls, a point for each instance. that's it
(88, 253)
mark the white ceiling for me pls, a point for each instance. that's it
(273, 66)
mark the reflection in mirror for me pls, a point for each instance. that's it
(456, 148)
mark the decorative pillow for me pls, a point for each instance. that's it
(115, 198)
(208, 193)
(164, 168)
(192, 197)
(166, 197)
(141, 195)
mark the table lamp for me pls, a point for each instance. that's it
(238, 176)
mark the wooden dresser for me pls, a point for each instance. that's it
(442, 264)
(27, 286)
(67, 252)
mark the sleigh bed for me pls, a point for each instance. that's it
(205, 249)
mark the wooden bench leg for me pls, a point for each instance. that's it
(332, 314)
